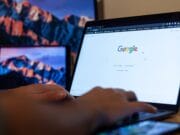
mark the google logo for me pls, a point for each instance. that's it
(128, 49)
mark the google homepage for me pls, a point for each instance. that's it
(146, 62)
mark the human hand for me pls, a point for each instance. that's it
(113, 104)
(84, 115)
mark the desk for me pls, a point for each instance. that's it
(174, 118)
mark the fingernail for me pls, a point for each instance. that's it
(154, 108)
(62, 95)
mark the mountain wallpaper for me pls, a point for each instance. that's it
(23, 23)
(26, 71)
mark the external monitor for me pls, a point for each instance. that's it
(33, 65)
(47, 22)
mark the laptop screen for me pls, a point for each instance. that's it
(32, 65)
(141, 58)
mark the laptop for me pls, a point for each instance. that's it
(135, 53)
(23, 65)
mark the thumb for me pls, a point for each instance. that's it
(51, 93)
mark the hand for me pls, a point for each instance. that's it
(100, 107)
(113, 104)
(47, 93)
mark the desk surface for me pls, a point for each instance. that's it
(174, 118)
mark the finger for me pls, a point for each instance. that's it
(57, 88)
(51, 93)
(131, 96)
(41, 88)
(70, 97)
(52, 96)
(35, 89)
(54, 87)
(142, 107)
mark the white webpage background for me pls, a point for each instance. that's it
(152, 72)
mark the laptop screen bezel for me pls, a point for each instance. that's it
(136, 20)
(67, 56)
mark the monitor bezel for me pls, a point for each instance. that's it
(96, 17)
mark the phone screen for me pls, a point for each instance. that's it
(144, 128)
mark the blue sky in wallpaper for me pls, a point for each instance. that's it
(61, 8)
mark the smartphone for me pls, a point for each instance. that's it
(145, 128)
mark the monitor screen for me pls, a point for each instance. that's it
(32, 65)
(45, 22)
